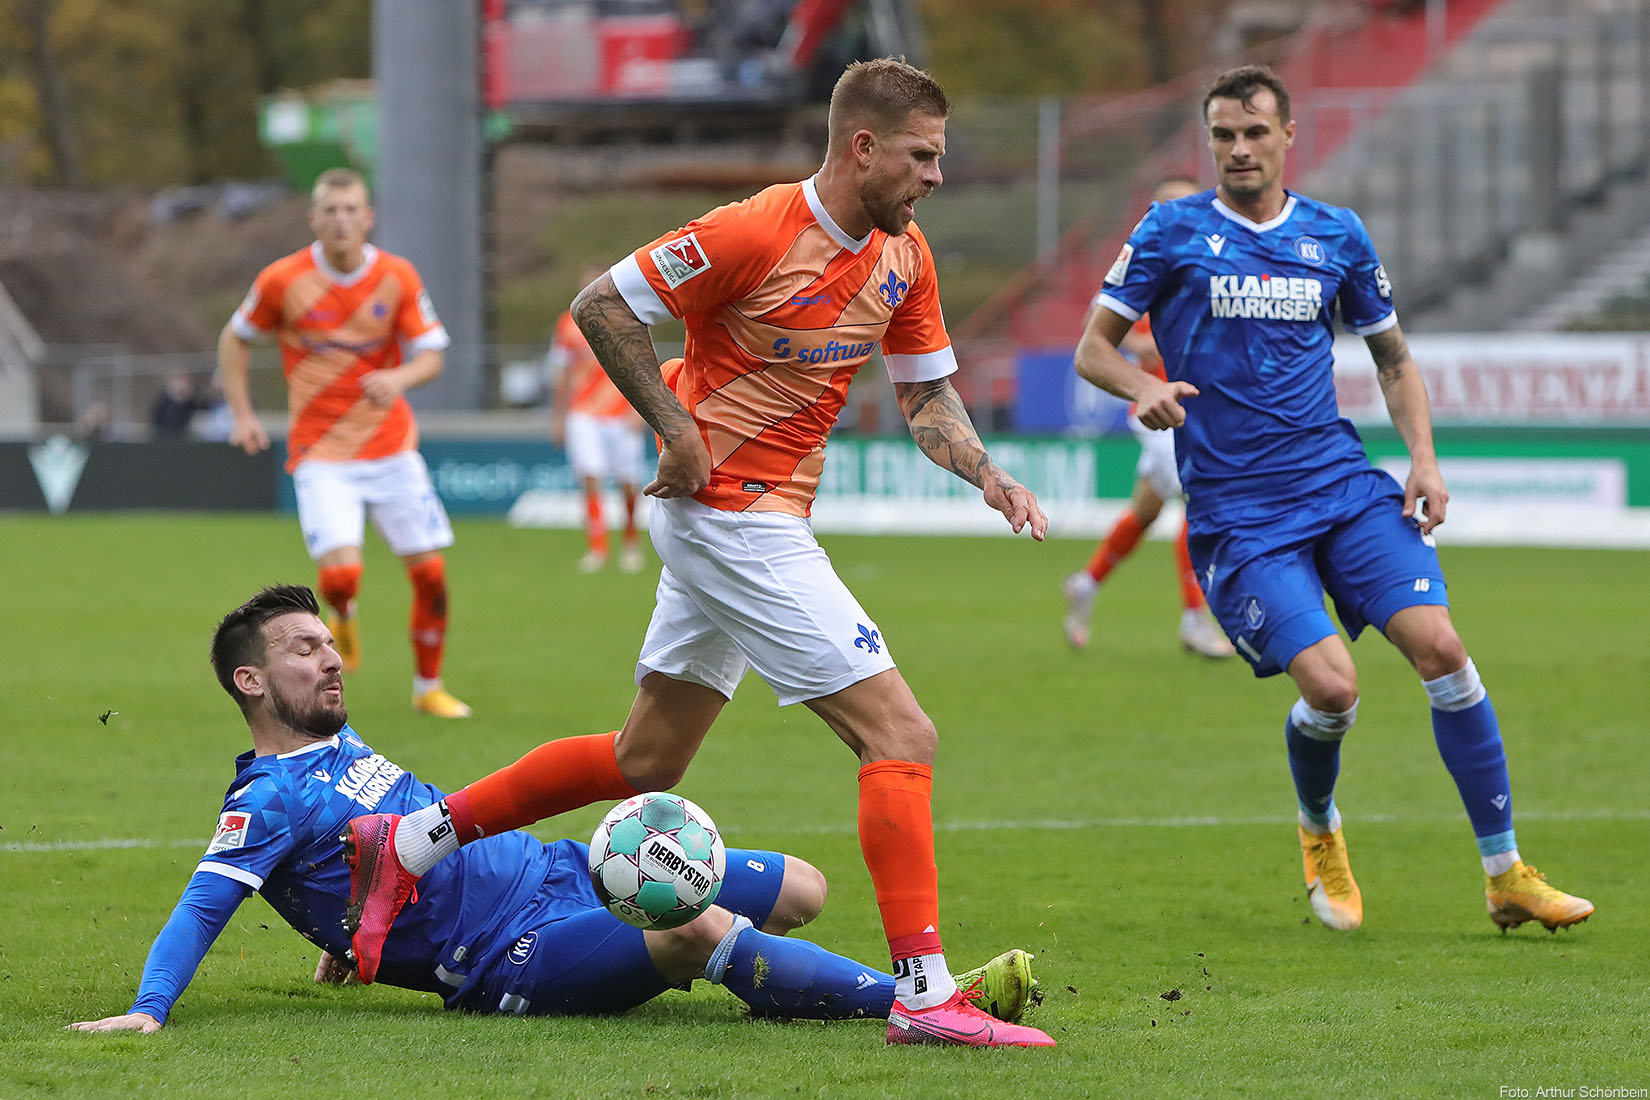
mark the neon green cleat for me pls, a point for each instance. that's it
(1330, 887)
(346, 639)
(1004, 986)
(1521, 894)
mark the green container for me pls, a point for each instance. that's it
(309, 132)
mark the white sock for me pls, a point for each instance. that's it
(421, 686)
(1456, 690)
(1083, 584)
(1500, 862)
(923, 981)
(1320, 830)
(425, 837)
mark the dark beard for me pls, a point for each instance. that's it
(317, 720)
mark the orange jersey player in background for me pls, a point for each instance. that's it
(603, 437)
(356, 330)
(785, 297)
(1156, 479)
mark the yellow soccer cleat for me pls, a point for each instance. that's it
(1521, 894)
(441, 703)
(1004, 986)
(1330, 887)
(346, 639)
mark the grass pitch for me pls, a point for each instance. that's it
(1125, 812)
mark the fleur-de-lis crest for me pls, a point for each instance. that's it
(868, 636)
(893, 289)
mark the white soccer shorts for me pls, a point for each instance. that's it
(605, 447)
(1157, 464)
(335, 497)
(743, 590)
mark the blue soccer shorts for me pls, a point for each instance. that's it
(588, 962)
(1266, 580)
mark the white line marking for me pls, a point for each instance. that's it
(1067, 825)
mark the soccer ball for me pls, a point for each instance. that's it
(657, 861)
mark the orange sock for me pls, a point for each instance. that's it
(338, 585)
(595, 532)
(629, 515)
(429, 614)
(896, 834)
(557, 776)
(1191, 594)
(1124, 537)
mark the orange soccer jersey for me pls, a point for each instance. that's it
(333, 327)
(782, 309)
(590, 390)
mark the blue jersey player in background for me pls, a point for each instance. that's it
(507, 924)
(1243, 284)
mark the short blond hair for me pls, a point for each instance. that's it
(880, 96)
(336, 179)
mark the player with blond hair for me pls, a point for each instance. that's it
(785, 296)
(356, 330)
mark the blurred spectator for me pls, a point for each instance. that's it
(175, 406)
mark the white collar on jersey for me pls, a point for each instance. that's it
(1258, 227)
(329, 743)
(810, 191)
(369, 256)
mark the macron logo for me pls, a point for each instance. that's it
(57, 467)
(1216, 242)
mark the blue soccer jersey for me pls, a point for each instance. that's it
(1245, 312)
(278, 835)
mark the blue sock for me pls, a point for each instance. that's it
(799, 980)
(1314, 741)
(1469, 740)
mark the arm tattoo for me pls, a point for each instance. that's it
(941, 427)
(1391, 354)
(624, 348)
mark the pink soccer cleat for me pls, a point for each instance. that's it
(959, 1022)
(378, 887)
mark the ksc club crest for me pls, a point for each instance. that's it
(1254, 613)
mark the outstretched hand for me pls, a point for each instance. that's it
(1017, 504)
(332, 970)
(1159, 404)
(132, 1021)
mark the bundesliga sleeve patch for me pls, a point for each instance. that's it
(426, 308)
(1120, 266)
(232, 826)
(680, 260)
(1383, 285)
